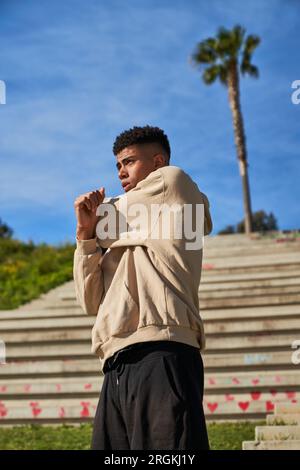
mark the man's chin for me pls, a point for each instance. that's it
(128, 187)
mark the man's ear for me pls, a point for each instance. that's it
(159, 160)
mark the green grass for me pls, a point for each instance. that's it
(222, 436)
(28, 270)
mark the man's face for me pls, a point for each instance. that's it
(136, 162)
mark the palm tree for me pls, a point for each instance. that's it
(223, 57)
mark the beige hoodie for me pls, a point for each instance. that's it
(144, 287)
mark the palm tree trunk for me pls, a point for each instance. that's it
(240, 140)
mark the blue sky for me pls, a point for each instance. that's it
(79, 72)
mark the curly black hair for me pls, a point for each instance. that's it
(142, 135)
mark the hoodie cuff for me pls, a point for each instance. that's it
(87, 247)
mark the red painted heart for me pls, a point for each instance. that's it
(255, 381)
(85, 412)
(244, 405)
(291, 395)
(36, 411)
(3, 410)
(212, 407)
(269, 406)
(255, 395)
(235, 380)
(229, 397)
(207, 266)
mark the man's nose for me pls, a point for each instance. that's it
(122, 172)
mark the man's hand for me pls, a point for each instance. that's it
(85, 207)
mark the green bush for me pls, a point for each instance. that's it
(28, 270)
(222, 436)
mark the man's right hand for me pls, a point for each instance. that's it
(85, 207)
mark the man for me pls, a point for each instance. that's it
(143, 290)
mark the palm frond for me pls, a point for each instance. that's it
(211, 74)
(251, 43)
(216, 54)
(205, 52)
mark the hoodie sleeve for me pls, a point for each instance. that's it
(88, 275)
(180, 186)
(208, 225)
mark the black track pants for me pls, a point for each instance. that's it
(151, 398)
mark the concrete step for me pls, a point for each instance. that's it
(251, 325)
(251, 292)
(253, 380)
(249, 301)
(255, 396)
(277, 433)
(231, 391)
(218, 292)
(212, 269)
(54, 304)
(260, 342)
(47, 410)
(40, 313)
(283, 420)
(211, 326)
(287, 408)
(47, 323)
(213, 360)
(243, 251)
(246, 313)
(50, 408)
(54, 387)
(209, 276)
(232, 286)
(250, 361)
(271, 445)
(62, 338)
(244, 409)
(212, 300)
(243, 313)
(256, 238)
(54, 368)
(48, 351)
(255, 260)
(58, 336)
(256, 383)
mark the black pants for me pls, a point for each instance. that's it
(151, 398)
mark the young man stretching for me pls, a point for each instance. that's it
(148, 333)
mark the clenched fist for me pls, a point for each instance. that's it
(85, 207)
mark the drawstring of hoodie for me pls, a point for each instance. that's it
(119, 370)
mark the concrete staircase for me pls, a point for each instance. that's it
(250, 303)
(282, 430)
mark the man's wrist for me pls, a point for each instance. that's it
(84, 234)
